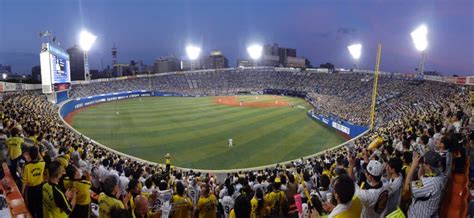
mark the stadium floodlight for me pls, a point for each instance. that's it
(86, 40)
(355, 50)
(255, 51)
(4, 76)
(193, 52)
(419, 37)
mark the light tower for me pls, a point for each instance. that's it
(356, 51)
(86, 40)
(420, 39)
(193, 54)
(114, 55)
(255, 52)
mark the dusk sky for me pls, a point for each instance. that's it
(319, 30)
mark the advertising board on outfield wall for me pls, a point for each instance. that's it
(344, 127)
(77, 103)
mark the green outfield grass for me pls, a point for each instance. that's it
(195, 131)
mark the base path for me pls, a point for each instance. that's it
(234, 101)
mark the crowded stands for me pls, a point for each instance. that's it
(402, 168)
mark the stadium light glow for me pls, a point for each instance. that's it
(255, 51)
(86, 40)
(420, 37)
(193, 52)
(4, 76)
(355, 50)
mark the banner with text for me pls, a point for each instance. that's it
(77, 103)
(345, 127)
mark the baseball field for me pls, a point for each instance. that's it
(195, 131)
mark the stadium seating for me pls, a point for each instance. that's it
(408, 112)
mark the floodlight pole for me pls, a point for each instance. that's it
(149, 79)
(421, 67)
(87, 75)
(375, 87)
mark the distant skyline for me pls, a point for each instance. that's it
(319, 30)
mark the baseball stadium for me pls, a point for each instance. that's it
(241, 122)
(270, 137)
(195, 130)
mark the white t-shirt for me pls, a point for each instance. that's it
(339, 209)
(258, 186)
(147, 190)
(223, 192)
(123, 184)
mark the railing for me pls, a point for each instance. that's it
(13, 196)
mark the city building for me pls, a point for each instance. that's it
(36, 73)
(197, 64)
(272, 51)
(95, 74)
(77, 67)
(166, 64)
(216, 60)
(137, 67)
(121, 70)
(275, 56)
(5, 69)
(295, 62)
(308, 63)
(270, 60)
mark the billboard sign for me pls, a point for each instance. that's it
(55, 67)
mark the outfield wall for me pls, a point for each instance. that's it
(344, 127)
(69, 106)
(74, 104)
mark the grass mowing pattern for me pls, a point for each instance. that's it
(195, 131)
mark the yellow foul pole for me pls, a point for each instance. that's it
(375, 87)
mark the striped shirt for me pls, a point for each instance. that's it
(395, 193)
(426, 195)
(373, 200)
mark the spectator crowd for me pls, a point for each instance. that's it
(400, 168)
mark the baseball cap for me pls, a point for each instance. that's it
(375, 168)
(432, 158)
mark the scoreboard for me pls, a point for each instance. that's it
(55, 69)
